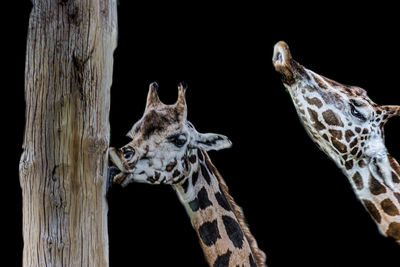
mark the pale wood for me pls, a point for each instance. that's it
(63, 167)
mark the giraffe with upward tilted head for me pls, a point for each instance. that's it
(167, 149)
(348, 127)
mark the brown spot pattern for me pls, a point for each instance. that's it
(388, 207)
(349, 164)
(170, 166)
(348, 135)
(353, 143)
(376, 187)
(395, 167)
(320, 83)
(372, 210)
(314, 101)
(362, 163)
(357, 179)
(332, 118)
(314, 117)
(395, 179)
(192, 159)
(394, 230)
(336, 134)
(354, 151)
(176, 174)
(339, 145)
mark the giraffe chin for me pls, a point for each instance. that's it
(116, 176)
(121, 178)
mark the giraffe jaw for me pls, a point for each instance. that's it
(115, 176)
(120, 178)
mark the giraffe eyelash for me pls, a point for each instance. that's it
(356, 103)
(356, 113)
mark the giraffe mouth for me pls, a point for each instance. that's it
(116, 176)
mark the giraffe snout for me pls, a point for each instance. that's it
(121, 170)
(282, 61)
(281, 56)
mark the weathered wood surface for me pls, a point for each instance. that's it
(63, 167)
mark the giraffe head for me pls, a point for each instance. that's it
(162, 142)
(342, 120)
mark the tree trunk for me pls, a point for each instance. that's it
(63, 167)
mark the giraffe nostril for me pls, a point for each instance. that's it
(278, 58)
(281, 54)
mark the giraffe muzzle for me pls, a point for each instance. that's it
(286, 65)
(116, 176)
(281, 55)
(281, 59)
(116, 173)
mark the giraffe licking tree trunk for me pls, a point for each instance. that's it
(167, 149)
(348, 127)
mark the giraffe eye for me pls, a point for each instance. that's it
(128, 153)
(356, 113)
(178, 140)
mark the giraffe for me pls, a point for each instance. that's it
(167, 149)
(349, 128)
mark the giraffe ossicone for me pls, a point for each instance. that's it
(349, 128)
(166, 149)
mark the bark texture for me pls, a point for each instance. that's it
(63, 167)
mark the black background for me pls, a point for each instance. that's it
(299, 205)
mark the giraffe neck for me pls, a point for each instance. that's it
(381, 201)
(217, 220)
(378, 188)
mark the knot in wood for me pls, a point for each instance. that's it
(96, 145)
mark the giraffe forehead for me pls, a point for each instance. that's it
(319, 88)
(157, 121)
(333, 87)
(323, 98)
(164, 117)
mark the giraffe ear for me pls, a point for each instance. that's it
(393, 111)
(390, 111)
(210, 141)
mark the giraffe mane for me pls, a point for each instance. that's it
(259, 255)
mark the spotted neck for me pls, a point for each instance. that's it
(348, 127)
(381, 201)
(217, 220)
(377, 185)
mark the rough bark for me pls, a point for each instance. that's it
(63, 167)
